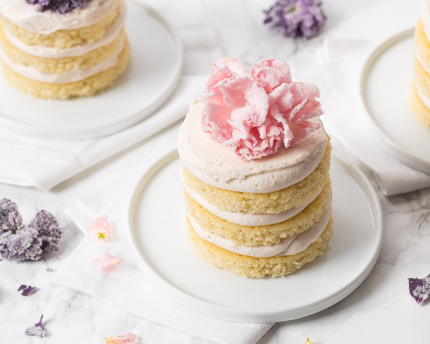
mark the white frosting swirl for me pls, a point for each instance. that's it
(74, 75)
(215, 165)
(288, 246)
(26, 15)
(246, 219)
(51, 52)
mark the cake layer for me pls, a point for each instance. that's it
(83, 88)
(64, 38)
(264, 203)
(66, 76)
(422, 46)
(246, 219)
(217, 166)
(420, 110)
(38, 68)
(112, 32)
(288, 246)
(425, 18)
(259, 267)
(422, 78)
(260, 235)
(27, 16)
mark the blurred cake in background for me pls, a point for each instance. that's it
(62, 48)
(420, 92)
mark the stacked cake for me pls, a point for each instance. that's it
(420, 92)
(63, 48)
(255, 169)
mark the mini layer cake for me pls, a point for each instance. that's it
(64, 50)
(420, 92)
(255, 169)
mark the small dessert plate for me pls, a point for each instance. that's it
(386, 80)
(162, 251)
(153, 73)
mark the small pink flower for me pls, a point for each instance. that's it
(254, 113)
(128, 338)
(106, 261)
(101, 228)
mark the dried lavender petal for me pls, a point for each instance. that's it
(48, 230)
(297, 18)
(59, 6)
(10, 219)
(49, 270)
(37, 330)
(22, 287)
(24, 244)
(419, 288)
(28, 291)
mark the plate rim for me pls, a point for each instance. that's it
(23, 129)
(255, 316)
(384, 140)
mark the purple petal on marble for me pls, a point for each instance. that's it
(28, 291)
(297, 18)
(22, 287)
(419, 288)
(59, 6)
(37, 330)
(49, 270)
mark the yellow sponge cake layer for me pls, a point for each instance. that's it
(259, 267)
(422, 45)
(63, 38)
(421, 112)
(269, 203)
(61, 65)
(83, 88)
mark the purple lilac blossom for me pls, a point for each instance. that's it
(37, 330)
(60, 6)
(48, 229)
(24, 244)
(28, 291)
(297, 18)
(10, 219)
(419, 288)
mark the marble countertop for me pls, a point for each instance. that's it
(379, 311)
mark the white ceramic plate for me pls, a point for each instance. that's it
(385, 85)
(151, 77)
(162, 251)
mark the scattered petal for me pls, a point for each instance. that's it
(28, 290)
(106, 261)
(297, 18)
(22, 287)
(308, 341)
(101, 228)
(419, 288)
(49, 270)
(254, 114)
(59, 6)
(37, 330)
(128, 338)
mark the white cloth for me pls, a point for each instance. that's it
(337, 73)
(45, 164)
(126, 287)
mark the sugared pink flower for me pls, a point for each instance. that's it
(128, 338)
(254, 113)
(101, 228)
(106, 261)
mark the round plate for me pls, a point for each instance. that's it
(153, 73)
(386, 79)
(159, 241)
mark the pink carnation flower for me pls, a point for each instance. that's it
(106, 261)
(101, 228)
(128, 338)
(254, 113)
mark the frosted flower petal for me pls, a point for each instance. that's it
(37, 330)
(101, 229)
(128, 338)
(419, 288)
(106, 261)
(59, 6)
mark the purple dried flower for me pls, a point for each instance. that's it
(48, 230)
(60, 6)
(24, 244)
(297, 18)
(419, 288)
(37, 330)
(28, 291)
(22, 287)
(10, 219)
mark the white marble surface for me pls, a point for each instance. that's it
(379, 311)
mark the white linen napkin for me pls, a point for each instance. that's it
(126, 287)
(336, 70)
(45, 164)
